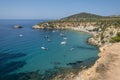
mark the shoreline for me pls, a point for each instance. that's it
(87, 29)
(78, 28)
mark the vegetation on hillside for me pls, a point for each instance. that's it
(103, 21)
(82, 16)
(116, 38)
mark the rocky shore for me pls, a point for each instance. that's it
(106, 67)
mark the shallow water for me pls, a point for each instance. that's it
(32, 57)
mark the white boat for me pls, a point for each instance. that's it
(65, 38)
(44, 48)
(72, 49)
(49, 40)
(46, 36)
(63, 42)
(21, 35)
(53, 31)
(61, 34)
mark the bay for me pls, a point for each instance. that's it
(27, 52)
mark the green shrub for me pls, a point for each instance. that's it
(118, 34)
(116, 38)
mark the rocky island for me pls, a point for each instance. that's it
(17, 26)
(105, 32)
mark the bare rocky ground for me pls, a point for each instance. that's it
(107, 67)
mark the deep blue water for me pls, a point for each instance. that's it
(21, 54)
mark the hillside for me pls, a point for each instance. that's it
(80, 16)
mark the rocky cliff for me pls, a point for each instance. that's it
(106, 67)
(103, 37)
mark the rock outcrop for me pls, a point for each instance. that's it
(103, 37)
(17, 26)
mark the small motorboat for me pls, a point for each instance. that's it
(43, 48)
(63, 42)
(53, 31)
(72, 49)
(65, 38)
(61, 34)
(21, 35)
(46, 36)
(49, 40)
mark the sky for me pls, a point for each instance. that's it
(55, 9)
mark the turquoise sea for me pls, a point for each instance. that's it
(19, 54)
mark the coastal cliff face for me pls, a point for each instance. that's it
(63, 25)
(106, 67)
(103, 37)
